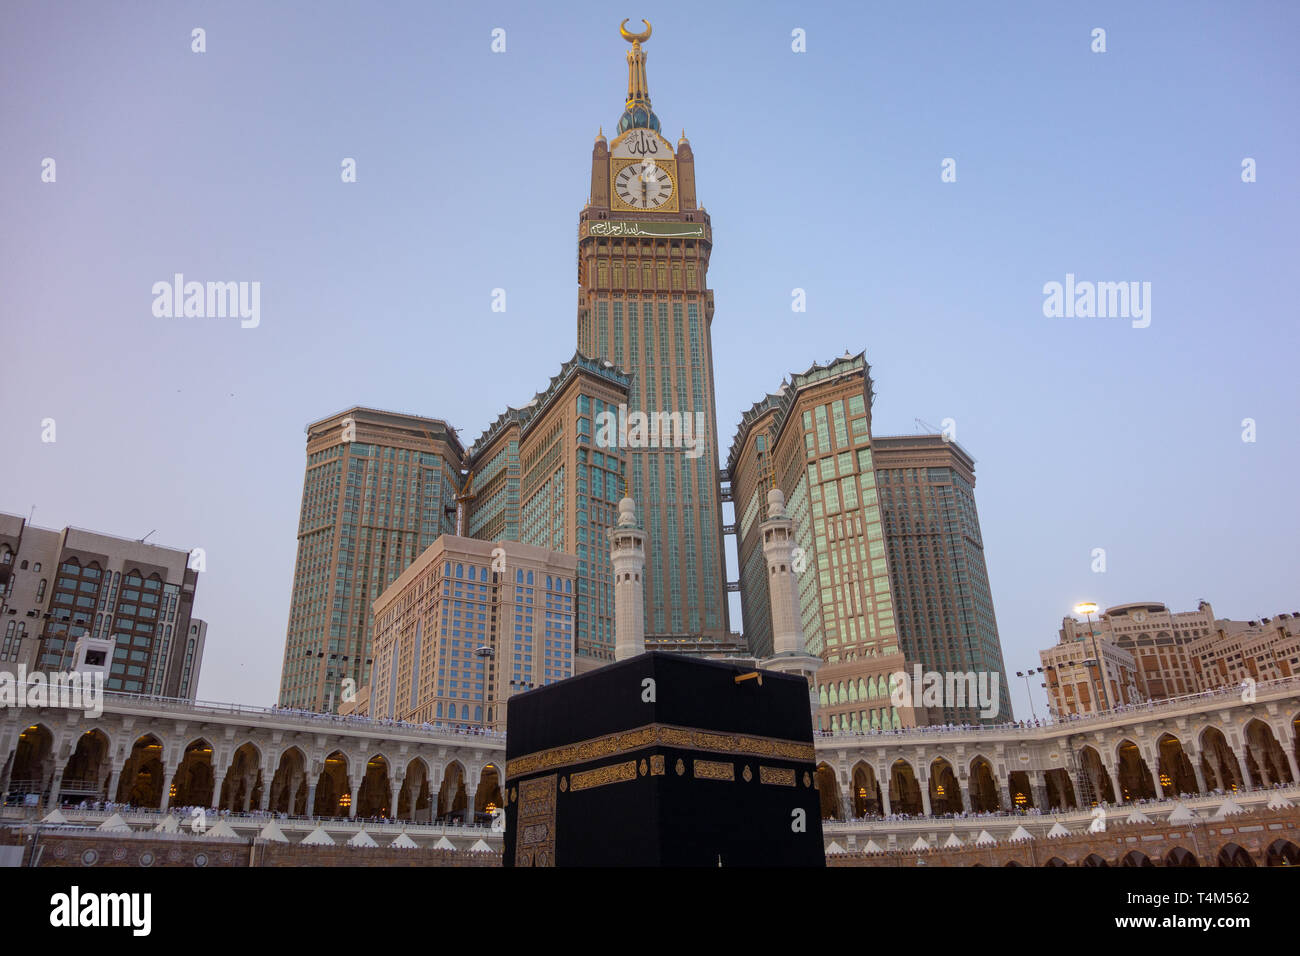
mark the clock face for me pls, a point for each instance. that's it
(643, 185)
(1139, 617)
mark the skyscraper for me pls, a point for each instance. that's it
(645, 305)
(811, 440)
(380, 488)
(936, 561)
(543, 475)
(889, 558)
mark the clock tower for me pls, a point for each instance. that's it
(644, 303)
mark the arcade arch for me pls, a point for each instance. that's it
(194, 781)
(828, 789)
(289, 784)
(333, 788)
(866, 791)
(85, 775)
(984, 790)
(143, 779)
(242, 788)
(1174, 774)
(904, 790)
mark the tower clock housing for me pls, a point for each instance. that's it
(644, 304)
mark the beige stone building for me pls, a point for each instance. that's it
(468, 624)
(1148, 652)
(1268, 649)
(1074, 679)
(59, 586)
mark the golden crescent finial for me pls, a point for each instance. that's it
(635, 37)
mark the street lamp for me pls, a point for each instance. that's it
(1056, 692)
(1088, 608)
(1026, 675)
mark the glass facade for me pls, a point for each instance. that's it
(568, 483)
(368, 510)
(936, 559)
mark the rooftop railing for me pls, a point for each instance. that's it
(1048, 727)
(337, 721)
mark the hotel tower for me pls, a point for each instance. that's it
(645, 305)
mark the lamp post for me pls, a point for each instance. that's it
(1026, 675)
(1055, 692)
(1088, 608)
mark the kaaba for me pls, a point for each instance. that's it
(663, 760)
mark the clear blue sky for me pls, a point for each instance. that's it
(821, 171)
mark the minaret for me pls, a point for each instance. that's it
(788, 652)
(628, 554)
(778, 548)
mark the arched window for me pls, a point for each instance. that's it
(23, 566)
(460, 570)
(478, 715)
(530, 577)
(40, 590)
(519, 576)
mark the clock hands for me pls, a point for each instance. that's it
(647, 174)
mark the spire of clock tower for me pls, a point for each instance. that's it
(637, 113)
